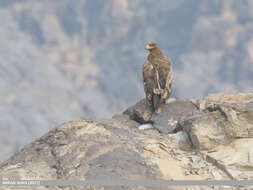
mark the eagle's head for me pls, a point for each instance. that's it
(150, 46)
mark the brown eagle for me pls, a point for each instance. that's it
(157, 77)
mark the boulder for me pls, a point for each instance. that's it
(166, 121)
(197, 139)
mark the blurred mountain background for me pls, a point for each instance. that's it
(63, 60)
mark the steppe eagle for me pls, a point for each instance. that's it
(157, 77)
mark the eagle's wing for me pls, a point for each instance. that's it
(165, 76)
(148, 82)
(152, 99)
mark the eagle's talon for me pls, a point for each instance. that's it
(158, 110)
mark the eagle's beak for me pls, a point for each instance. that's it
(148, 47)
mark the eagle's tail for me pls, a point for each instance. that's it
(156, 100)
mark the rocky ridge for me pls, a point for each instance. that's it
(193, 139)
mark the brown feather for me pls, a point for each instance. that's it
(157, 77)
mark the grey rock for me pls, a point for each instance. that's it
(219, 124)
(166, 121)
(214, 142)
(140, 112)
(145, 126)
(181, 139)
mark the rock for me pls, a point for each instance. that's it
(166, 121)
(236, 159)
(219, 124)
(81, 150)
(181, 139)
(145, 126)
(140, 112)
(211, 141)
(230, 98)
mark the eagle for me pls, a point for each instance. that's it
(157, 77)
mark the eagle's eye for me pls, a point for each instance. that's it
(150, 46)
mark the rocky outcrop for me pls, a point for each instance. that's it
(192, 139)
(219, 126)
